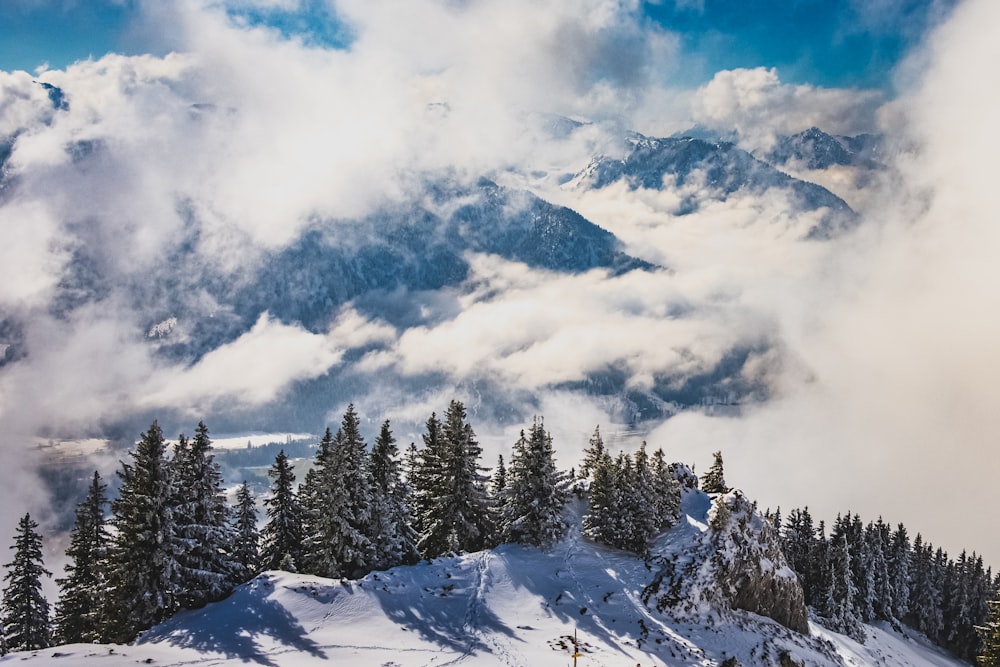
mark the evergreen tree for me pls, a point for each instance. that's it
(339, 506)
(78, 611)
(600, 523)
(593, 455)
(429, 483)
(877, 542)
(394, 538)
(452, 507)
(533, 503)
(714, 480)
(499, 481)
(842, 592)
(667, 491)
(862, 573)
(989, 634)
(25, 616)
(898, 562)
(143, 572)
(282, 534)
(246, 549)
(315, 500)
(208, 570)
(648, 511)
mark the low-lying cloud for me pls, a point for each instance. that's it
(877, 348)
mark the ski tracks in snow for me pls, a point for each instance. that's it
(478, 612)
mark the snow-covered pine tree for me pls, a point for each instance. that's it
(796, 542)
(534, 499)
(667, 491)
(842, 593)
(600, 523)
(143, 566)
(392, 532)
(208, 569)
(499, 479)
(451, 505)
(246, 550)
(714, 480)
(877, 540)
(861, 570)
(282, 534)
(647, 514)
(630, 522)
(339, 506)
(939, 589)
(593, 454)
(430, 483)
(989, 635)
(475, 523)
(958, 607)
(78, 616)
(898, 561)
(315, 500)
(25, 616)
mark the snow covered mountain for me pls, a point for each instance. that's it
(718, 167)
(815, 149)
(517, 605)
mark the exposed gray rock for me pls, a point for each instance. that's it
(737, 563)
(749, 565)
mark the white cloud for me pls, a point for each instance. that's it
(252, 370)
(756, 104)
(242, 139)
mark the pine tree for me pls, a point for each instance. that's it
(430, 483)
(534, 497)
(648, 511)
(989, 634)
(246, 549)
(208, 570)
(600, 522)
(667, 491)
(593, 455)
(714, 481)
(862, 572)
(282, 534)
(143, 570)
(25, 616)
(877, 541)
(842, 593)
(392, 533)
(339, 506)
(898, 562)
(315, 501)
(78, 617)
(451, 505)
(499, 481)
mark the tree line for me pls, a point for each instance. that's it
(173, 542)
(863, 573)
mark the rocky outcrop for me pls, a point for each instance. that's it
(749, 566)
(733, 562)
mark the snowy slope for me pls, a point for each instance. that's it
(511, 606)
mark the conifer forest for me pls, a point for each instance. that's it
(170, 540)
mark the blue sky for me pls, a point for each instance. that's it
(843, 43)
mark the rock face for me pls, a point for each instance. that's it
(733, 562)
(749, 565)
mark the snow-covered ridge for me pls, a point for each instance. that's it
(513, 605)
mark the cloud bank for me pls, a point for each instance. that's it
(163, 182)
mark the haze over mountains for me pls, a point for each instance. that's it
(256, 230)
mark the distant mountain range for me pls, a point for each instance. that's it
(422, 245)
